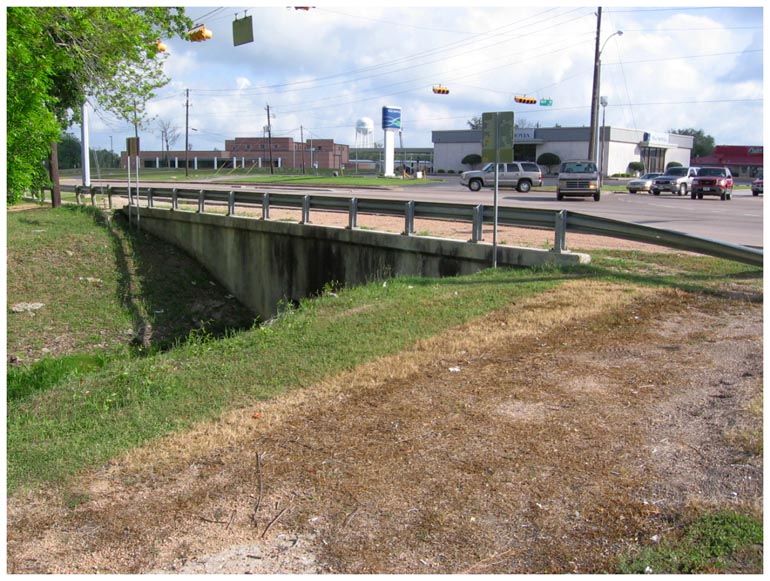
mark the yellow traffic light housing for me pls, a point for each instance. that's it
(199, 34)
(523, 99)
(440, 90)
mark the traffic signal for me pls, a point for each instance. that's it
(199, 34)
(439, 90)
(522, 99)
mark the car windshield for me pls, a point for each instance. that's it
(712, 171)
(649, 176)
(676, 171)
(578, 167)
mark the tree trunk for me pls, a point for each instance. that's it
(53, 169)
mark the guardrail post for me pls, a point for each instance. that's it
(93, 196)
(150, 201)
(201, 202)
(265, 206)
(560, 232)
(477, 228)
(353, 214)
(78, 199)
(109, 196)
(231, 203)
(174, 199)
(409, 218)
(305, 209)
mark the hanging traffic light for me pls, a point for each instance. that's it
(440, 90)
(523, 99)
(199, 33)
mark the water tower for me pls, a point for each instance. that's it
(364, 132)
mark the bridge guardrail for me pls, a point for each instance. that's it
(561, 221)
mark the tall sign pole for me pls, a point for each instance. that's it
(497, 147)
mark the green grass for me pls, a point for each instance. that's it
(346, 178)
(711, 543)
(98, 396)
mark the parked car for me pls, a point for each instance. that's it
(712, 181)
(522, 175)
(642, 183)
(756, 187)
(675, 180)
(578, 178)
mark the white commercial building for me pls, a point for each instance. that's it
(616, 147)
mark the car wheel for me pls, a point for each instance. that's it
(700, 196)
(597, 196)
(524, 186)
(559, 196)
(474, 185)
(692, 194)
(682, 189)
(755, 193)
(730, 195)
(723, 196)
(655, 192)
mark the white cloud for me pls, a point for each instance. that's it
(325, 68)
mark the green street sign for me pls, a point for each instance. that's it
(497, 137)
(546, 102)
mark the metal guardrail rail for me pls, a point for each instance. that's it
(560, 221)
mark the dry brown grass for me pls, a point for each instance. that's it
(545, 437)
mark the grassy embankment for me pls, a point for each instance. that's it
(90, 387)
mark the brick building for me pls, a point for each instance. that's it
(251, 152)
(743, 160)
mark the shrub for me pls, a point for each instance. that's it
(636, 166)
(472, 159)
(673, 164)
(548, 159)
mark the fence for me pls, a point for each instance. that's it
(560, 221)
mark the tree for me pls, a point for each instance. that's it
(475, 123)
(169, 134)
(69, 151)
(472, 159)
(548, 160)
(702, 144)
(57, 57)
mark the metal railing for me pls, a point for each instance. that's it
(560, 221)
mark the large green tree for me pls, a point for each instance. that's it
(57, 57)
(702, 144)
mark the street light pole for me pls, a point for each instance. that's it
(602, 166)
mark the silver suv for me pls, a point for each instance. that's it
(676, 180)
(521, 175)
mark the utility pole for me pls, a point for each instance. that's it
(187, 133)
(595, 92)
(85, 146)
(269, 139)
(302, 139)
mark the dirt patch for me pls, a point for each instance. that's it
(543, 438)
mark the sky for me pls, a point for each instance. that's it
(320, 71)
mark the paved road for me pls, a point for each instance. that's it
(738, 221)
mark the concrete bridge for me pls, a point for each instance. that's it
(263, 262)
